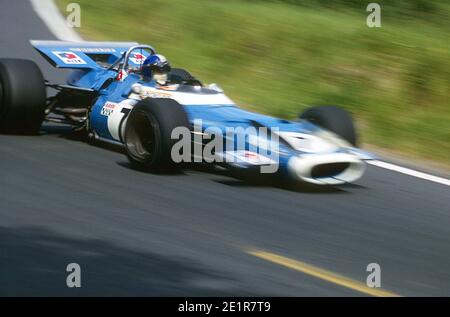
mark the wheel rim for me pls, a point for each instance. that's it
(142, 139)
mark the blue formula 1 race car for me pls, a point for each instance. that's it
(126, 94)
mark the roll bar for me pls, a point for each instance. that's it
(126, 56)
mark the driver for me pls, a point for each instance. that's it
(156, 67)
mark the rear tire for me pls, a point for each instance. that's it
(148, 130)
(334, 119)
(22, 96)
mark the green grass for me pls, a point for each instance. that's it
(277, 58)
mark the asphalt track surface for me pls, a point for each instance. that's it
(134, 233)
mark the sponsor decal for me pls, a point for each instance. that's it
(122, 75)
(70, 58)
(251, 157)
(148, 92)
(93, 50)
(108, 109)
(170, 87)
(137, 58)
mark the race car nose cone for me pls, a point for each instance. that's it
(326, 169)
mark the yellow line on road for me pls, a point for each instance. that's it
(321, 274)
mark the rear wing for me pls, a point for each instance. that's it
(76, 55)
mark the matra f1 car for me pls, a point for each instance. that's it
(106, 97)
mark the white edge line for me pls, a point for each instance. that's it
(54, 20)
(410, 172)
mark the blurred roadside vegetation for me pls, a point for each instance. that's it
(279, 56)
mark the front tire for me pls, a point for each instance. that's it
(334, 119)
(182, 76)
(177, 75)
(22, 96)
(148, 130)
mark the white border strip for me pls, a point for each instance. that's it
(410, 172)
(54, 20)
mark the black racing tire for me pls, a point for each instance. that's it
(22, 97)
(334, 119)
(147, 135)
